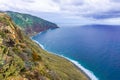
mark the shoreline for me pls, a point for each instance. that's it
(89, 74)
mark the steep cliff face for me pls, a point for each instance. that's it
(17, 58)
(22, 59)
(31, 24)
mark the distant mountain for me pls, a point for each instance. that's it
(31, 24)
(23, 59)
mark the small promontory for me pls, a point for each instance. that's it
(31, 25)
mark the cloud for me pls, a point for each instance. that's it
(96, 10)
(73, 6)
(29, 5)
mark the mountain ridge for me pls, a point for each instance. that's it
(30, 24)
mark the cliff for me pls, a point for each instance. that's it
(22, 59)
(31, 25)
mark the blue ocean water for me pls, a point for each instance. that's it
(96, 47)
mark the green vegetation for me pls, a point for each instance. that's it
(31, 24)
(22, 59)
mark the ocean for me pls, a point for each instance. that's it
(93, 48)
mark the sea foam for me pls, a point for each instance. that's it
(39, 44)
(89, 73)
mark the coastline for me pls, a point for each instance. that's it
(85, 71)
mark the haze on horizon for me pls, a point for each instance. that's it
(68, 12)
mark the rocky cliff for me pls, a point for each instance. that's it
(22, 59)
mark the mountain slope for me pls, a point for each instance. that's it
(31, 24)
(22, 59)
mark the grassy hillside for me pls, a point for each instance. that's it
(31, 24)
(22, 59)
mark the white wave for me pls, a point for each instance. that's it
(39, 44)
(89, 73)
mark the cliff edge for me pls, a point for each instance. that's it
(23, 59)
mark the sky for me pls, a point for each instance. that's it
(68, 12)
